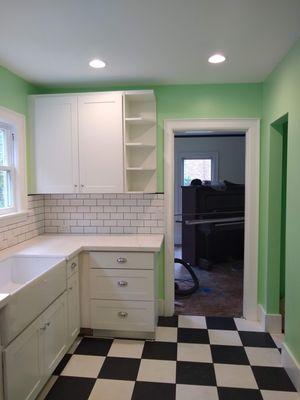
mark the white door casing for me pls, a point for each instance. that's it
(252, 130)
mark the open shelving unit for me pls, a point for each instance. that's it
(140, 141)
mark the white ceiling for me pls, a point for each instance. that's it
(145, 41)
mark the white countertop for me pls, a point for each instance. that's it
(68, 246)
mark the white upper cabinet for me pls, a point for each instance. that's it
(100, 142)
(54, 158)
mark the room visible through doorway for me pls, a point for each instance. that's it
(209, 205)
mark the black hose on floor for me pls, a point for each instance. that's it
(186, 292)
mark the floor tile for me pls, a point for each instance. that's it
(223, 323)
(278, 339)
(157, 371)
(235, 376)
(67, 387)
(278, 395)
(94, 346)
(190, 321)
(151, 390)
(107, 389)
(265, 357)
(272, 378)
(194, 373)
(195, 392)
(160, 351)
(58, 370)
(166, 334)
(239, 394)
(229, 338)
(246, 325)
(229, 355)
(186, 335)
(120, 368)
(256, 339)
(126, 348)
(194, 352)
(168, 321)
(83, 366)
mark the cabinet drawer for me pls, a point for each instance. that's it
(125, 284)
(72, 266)
(123, 315)
(106, 259)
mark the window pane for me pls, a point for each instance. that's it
(5, 148)
(196, 169)
(5, 190)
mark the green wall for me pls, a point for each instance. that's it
(13, 95)
(281, 99)
(14, 91)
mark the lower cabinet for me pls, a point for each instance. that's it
(31, 358)
(73, 307)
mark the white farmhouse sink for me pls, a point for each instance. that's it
(32, 284)
(17, 271)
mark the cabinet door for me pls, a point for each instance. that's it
(54, 144)
(73, 308)
(54, 328)
(23, 369)
(100, 143)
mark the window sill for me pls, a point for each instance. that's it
(13, 218)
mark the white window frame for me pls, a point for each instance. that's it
(16, 122)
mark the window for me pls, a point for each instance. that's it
(196, 169)
(13, 191)
(7, 203)
(198, 165)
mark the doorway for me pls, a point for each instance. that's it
(209, 185)
(251, 129)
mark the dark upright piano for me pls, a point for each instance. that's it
(212, 223)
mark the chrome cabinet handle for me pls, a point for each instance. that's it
(122, 283)
(122, 314)
(121, 260)
(73, 265)
(43, 328)
(71, 288)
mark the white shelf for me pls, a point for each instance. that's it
(140, 169)
(141, 145)
(139, 121)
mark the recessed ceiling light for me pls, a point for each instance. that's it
(216, 59)
(96, 63)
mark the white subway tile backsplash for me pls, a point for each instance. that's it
(121, 213)
(105, 213)
(32, 225)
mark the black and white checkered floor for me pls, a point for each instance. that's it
(193, 358)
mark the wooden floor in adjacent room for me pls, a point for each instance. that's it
(220, 292)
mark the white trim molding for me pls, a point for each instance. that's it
(269, 322)
(251, 127)
(291, 365)
(17, 121)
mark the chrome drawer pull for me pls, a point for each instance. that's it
(73, 265)
(122, 283)
(121, 260)
(122, 314)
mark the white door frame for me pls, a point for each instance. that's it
(252, 129)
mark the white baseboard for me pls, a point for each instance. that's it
(291, 365)
(269, 322)
(161, 307)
